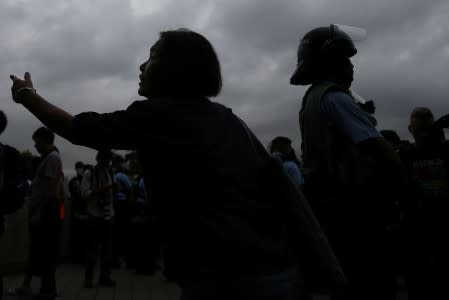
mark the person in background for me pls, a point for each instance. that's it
(44, 218)
(352, 174)
(79, 215)
(146, 242)
(425, 207)
(281, 148)
(97, 189)
(14, 184)
(124, 207)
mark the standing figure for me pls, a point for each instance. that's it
(348, 166)
(79, 215)
(97, 189)
(44, 218)
(425, 207)
(214, 206)
(281, 148)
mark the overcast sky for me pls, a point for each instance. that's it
(84, 55)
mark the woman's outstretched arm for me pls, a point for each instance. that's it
(55, 118)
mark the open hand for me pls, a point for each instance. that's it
(20, 88)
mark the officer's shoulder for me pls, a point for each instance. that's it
(337, 95)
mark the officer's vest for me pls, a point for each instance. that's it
(329, 158)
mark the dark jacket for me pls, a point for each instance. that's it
(208, 181)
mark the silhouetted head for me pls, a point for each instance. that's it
(181, 63)
(324, 54)
(392, 137)
(104, 158)
(79, 168)
(281, 144)
(421, 125)
(44, 140)
(3, 121)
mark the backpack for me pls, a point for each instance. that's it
(15, 184)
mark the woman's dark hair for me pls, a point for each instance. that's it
(3, 121)
(45, 134)
(191, 65)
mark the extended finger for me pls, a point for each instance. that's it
(27, 76)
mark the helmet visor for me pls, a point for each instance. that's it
(357, 34)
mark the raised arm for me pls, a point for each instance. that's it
(55, 118)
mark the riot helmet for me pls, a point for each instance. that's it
(322, 45)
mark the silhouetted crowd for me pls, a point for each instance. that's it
(227, 217)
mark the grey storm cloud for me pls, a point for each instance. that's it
(84, 55)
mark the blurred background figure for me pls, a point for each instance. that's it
(425, 208)
(13, 183)
(146, 241)
(44, 218)
(98, 188)
(281, 148)
(124, 206)
(79, 216)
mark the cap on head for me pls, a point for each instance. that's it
(281, 140)
(318, 45)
